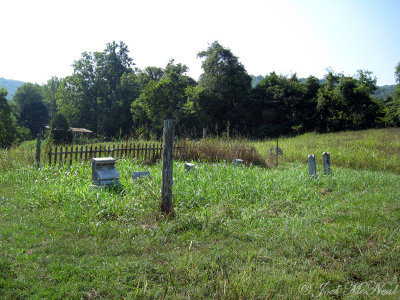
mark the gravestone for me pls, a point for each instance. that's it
(140, 175)
(189, 167)
(312, 170)
(275, 151)
(327, 163)
(104, 172)
(238, 162)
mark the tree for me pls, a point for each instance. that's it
(163, 99)
(93, 97)
(8, 126)
(276, 106)
(309, 106)
(49, 91)
(60, 130)
(225, 86)
(346, 103)
(393, 103)
(32, 112)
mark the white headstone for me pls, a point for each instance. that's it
(104, 172)
(142, 174)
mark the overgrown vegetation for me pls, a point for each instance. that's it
(238, 233)
(220, 150)
(373, 149)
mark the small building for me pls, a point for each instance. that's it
(81, 132)
(77, 132)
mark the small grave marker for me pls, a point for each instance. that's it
(142, 174)
(312, 170)
(104, 172)
(189, 167)
(327, 163)
(238, 162)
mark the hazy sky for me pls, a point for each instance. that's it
(41, 39)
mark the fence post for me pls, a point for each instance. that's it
(38, 150)
(311, 165)
(167, 167)
(327, 163)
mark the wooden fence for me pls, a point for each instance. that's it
(144, 151)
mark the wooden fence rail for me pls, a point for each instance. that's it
(145, 151)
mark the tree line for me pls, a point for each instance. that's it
(110, 96)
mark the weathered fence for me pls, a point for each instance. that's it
(144, 151)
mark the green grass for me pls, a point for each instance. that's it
(238, 233)
(244, 232)
(374, 149)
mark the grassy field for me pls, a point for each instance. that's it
(239, 233)
(374, 149)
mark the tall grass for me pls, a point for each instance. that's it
(374, 149)
(239, 233)
(219, 150)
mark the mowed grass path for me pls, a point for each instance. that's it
(239, 233)
(374, 149)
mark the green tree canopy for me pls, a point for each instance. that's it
(8, 126)
(225, 86)
(163, 99)
(93, 97)
(32, 112)
(49, 91)
(393, 103)
(275, 106)
(346, 103)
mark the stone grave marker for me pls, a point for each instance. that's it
(312, 170)
(104, 172)
(189, 167)
(327, 163)
(238, 162)
(140, 175)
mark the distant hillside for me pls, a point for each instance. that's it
(384, 91)
(10, 85)
(255, 80)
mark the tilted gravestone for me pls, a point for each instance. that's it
(104, 172)
(189, 167)
(238, 162)
(140, 175)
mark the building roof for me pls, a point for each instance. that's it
(80, 130)
(73, 129)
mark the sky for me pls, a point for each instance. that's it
(42, 38)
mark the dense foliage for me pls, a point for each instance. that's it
(30, 109)
(239, 233)
(111, 97)
(8, 126)
(59, 128)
